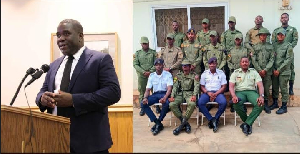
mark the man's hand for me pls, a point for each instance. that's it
(192, 67)
(213, 97)
(276, 73)
(260, 101)
(145, 101)
(63, 99)
(162, 100)
(235, 100)
(262, 73)
(197, 77)
(193, 98)
(47, 99)
(146, 74)
(172, 99)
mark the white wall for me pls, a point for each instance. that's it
(26, 28)
(244, 10)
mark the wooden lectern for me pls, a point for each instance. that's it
(39, 133)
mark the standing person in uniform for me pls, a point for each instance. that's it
(143, 64)
(87, 84)
(290, 37)
(214, 49)
(161, 81)
(172, 56)
(284, 56)
(234, 57)
(227, 40)
(192, 52)
(185, 89)
(213, 84)
(179, 37)
(263, 60)
(242, 89)
(203, 37)
(252, 38)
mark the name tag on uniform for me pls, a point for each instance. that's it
(239, 79)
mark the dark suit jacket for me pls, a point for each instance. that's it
(94, 86)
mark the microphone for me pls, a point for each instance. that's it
(28, 72)
(45, 68)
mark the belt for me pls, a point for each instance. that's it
(160, 92)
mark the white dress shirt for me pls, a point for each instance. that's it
(213, 82)
(61, 69)
(160, 82)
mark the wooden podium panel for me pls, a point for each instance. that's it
(48, 133)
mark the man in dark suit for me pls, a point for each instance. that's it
(86, 84)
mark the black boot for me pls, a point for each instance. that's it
(275, 104)
(157, 109)
(266, 107)
(177, 130)
(158, 127)
(245, 128)
(188, 128)
(291, 83)
(282, 109)
(142, 112)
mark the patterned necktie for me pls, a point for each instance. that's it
(65, 81)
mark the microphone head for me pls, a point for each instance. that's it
(30, 70)
(45, 68)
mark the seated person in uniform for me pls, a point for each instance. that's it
(242, 89)
(213, 84)
(162, 83)
(185, 89)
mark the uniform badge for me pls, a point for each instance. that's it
(238, 79)
(229, 55)
(175, 79)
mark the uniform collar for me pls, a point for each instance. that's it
(205, 33)
(241, 70)
(170, 49)
(255, 28)
(215, 47)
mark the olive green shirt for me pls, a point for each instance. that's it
(253, 38)
(192, 52)
(186, 84)
(144, 61)
(234, 57)
(217, 51)
(283, 57)
(245, 81)
(263, 57)
(172, 58)
(227, 38)
(179, 38)
(291, 35)
(203, 37)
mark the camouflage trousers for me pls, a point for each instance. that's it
(142, 83)
(280, 81)
(181, 98)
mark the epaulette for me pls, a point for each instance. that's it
(196, 45)
(251, 69)
(236, 70)
(205, 71)
(177, 48)
(151, 74)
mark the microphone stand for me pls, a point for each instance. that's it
(29, 71)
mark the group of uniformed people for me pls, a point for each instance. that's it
(187, 56)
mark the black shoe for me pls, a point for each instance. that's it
(209, 107)
(250, 130)
(282, 109)
(214, 124)
(157, 109)
(245, 128)
(266, 107)
(291, 83)
(275, 104)
(142, 112)
(158, 127)
(188, 128)
(153, 128)
(210, 125)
